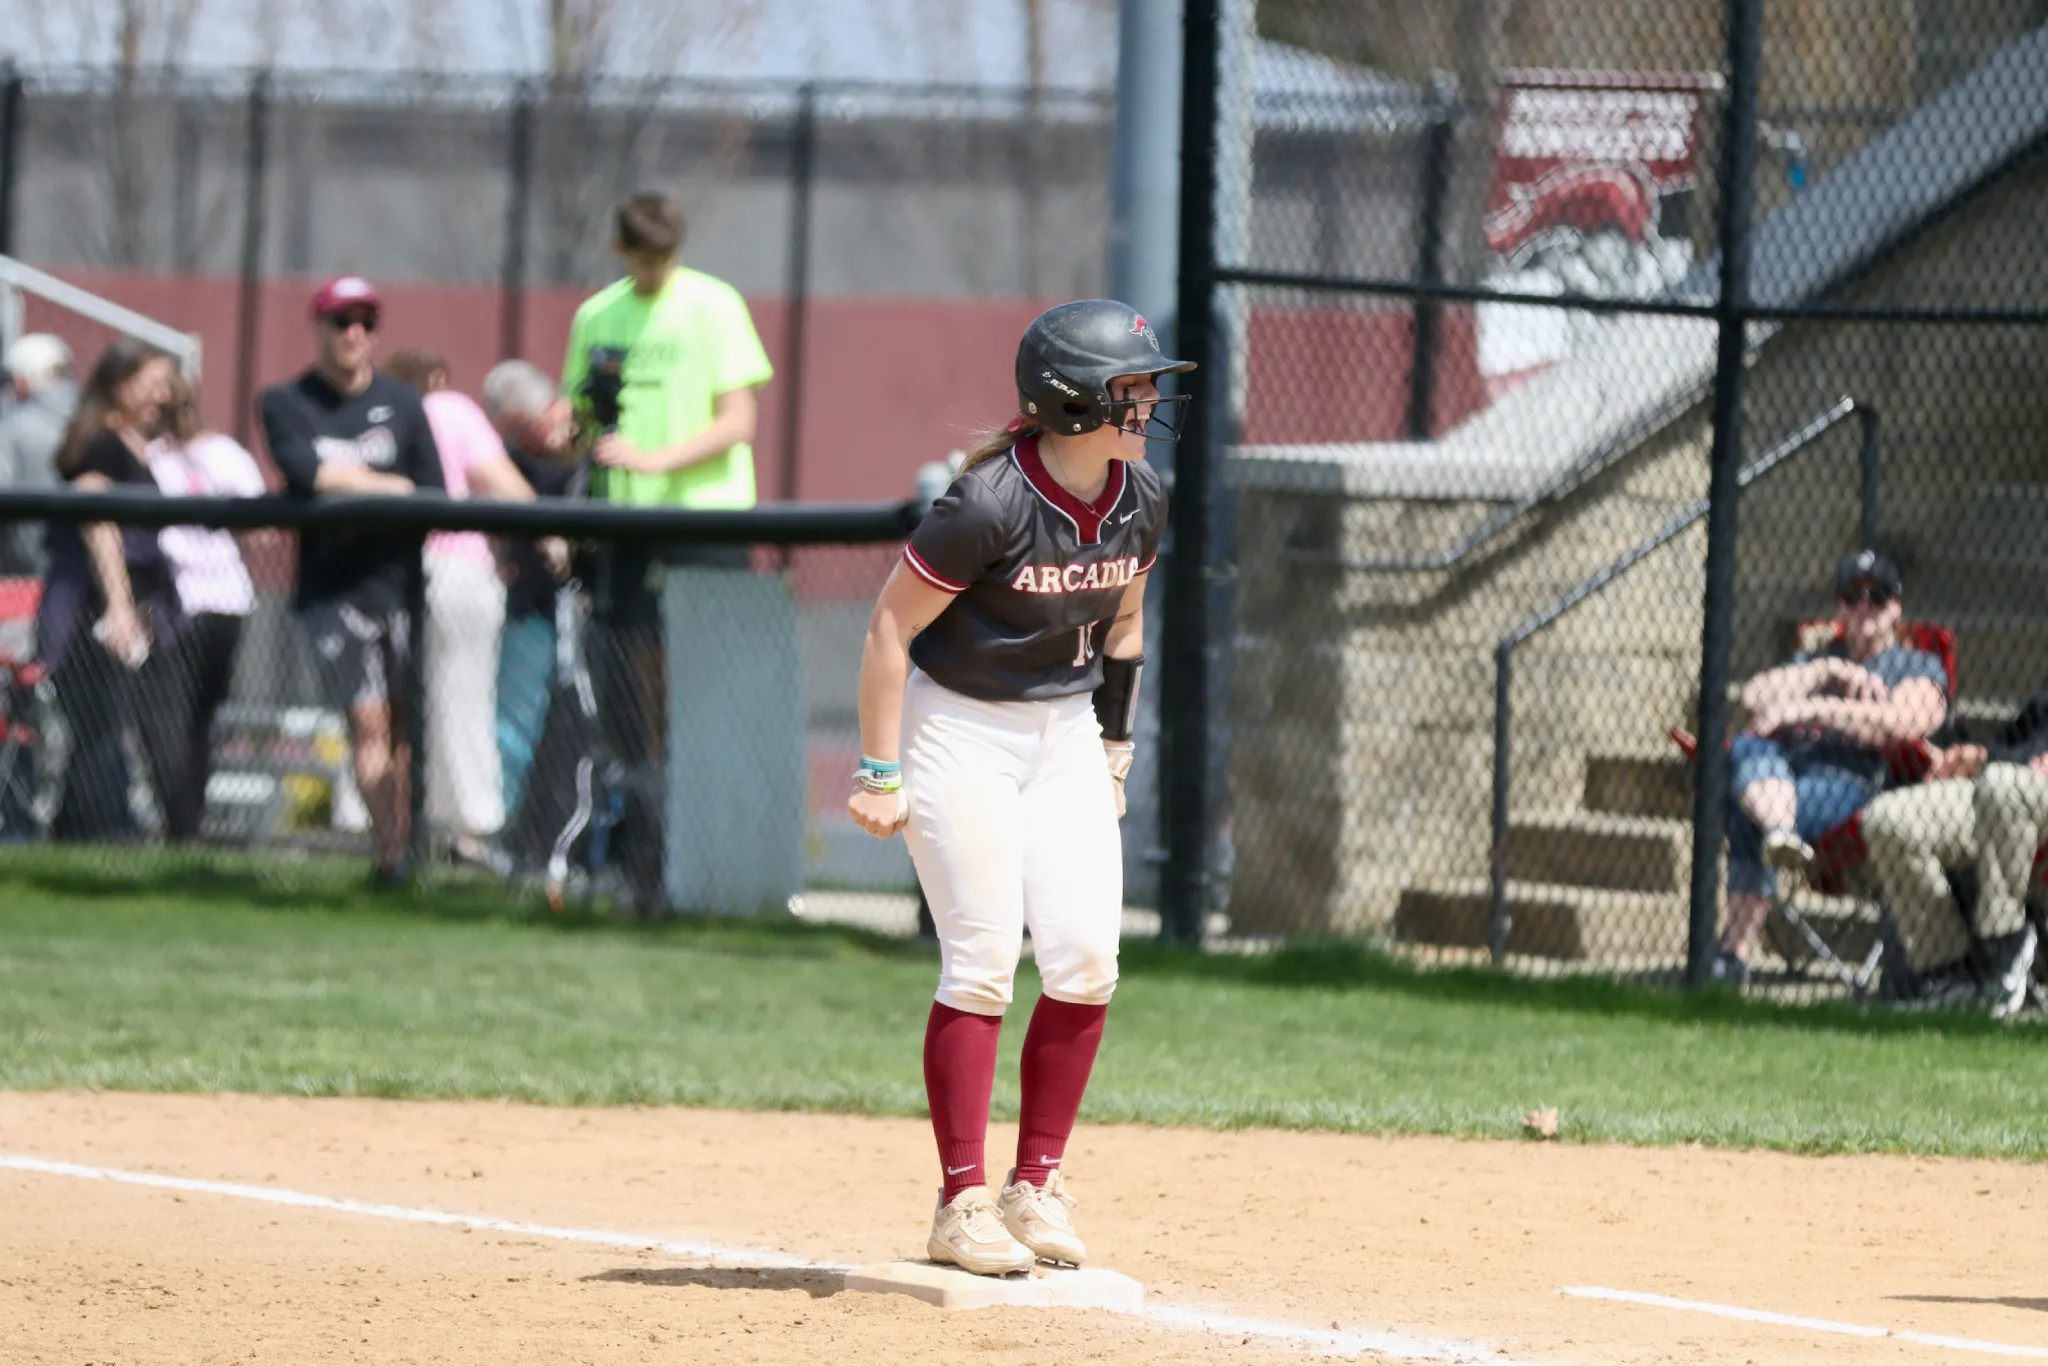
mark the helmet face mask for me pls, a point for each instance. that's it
(1069, 359)
(1163, 423)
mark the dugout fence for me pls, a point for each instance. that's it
(690, 755)
(1546, 356)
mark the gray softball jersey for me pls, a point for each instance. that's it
(1037, 575)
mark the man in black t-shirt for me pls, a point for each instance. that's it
(342, 428)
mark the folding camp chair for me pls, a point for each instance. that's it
(1840, 855)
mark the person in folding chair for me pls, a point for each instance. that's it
(1814, 752)
(1984, 809)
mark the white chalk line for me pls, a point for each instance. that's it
(1856, 1330)
(271, 1195)
(1328, 1342)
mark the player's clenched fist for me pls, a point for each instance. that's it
(881, 814)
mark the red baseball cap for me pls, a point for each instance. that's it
(345, 292)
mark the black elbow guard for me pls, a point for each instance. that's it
(1116, 701)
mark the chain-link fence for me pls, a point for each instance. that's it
(1502, 351)
(651, 723)
(890, 241)
(1510, 310)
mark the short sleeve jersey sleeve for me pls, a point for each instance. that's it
(961, 537)
(463, 435)
(739, 359)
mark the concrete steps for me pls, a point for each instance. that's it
(1549, 920)
(1606, 881)
(1594, 849)
(1635, 785)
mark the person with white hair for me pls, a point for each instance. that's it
(39, 367)
(539, 430)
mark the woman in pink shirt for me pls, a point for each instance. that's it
(465, 617)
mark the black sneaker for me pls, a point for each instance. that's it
(390, 877)
(2009, 969)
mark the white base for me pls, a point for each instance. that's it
(1043, 1287)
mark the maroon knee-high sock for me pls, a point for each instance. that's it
(959, 1071)
(1059, 1051)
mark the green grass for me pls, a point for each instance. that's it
(148, 973)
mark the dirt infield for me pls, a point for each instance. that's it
(1462, 1244)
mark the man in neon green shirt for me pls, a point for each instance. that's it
(693, 362)
(686, 423)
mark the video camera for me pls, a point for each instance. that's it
(604, 380)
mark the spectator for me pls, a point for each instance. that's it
(39, 368)
(112, 581)
(342, 428)
(692, 364)
(1984, 807)
(465, 614)
(184, 687)
(1814, 751)
(539, 431)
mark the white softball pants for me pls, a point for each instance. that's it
(1013, 823)
(465, 617)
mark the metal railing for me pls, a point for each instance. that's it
(774, 524)
(18, 278)
(1865, 414)
(415, 515)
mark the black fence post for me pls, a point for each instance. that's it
(1497, 920)
(518, 193)
(249, 314)
(1429, 258)
(418, 848)
(1867, 456)
(1185, 805)
(13, 97)
(1738, 172)
(803, 152)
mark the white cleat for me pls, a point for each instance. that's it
(969, 1234)
(1037, 1217)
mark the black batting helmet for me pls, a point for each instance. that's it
(1069, 355)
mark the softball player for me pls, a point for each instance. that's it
(997, 690)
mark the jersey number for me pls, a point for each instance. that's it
(1084, 648)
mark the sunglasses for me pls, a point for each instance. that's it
(342, 322)
(1867, 595)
